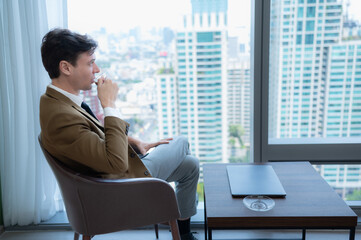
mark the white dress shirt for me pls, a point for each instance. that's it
(108, 111)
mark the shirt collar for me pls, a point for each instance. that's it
(75, 98)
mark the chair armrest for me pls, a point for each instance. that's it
(126, 203)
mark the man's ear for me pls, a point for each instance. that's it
(65, 67)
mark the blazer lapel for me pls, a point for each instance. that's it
(86, 114)
(57, 95)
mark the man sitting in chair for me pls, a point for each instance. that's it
(72, 134)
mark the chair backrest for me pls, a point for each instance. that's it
(68, 181)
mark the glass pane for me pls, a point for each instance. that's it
(345, 179)
(183, 68)
(315, 72)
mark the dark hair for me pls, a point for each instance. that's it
(63, 44)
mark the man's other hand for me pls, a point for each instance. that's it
(107, 92)
(144, 147)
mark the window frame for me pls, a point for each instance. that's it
(263, 151)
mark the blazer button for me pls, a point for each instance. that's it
(146, 173)
(132, 155)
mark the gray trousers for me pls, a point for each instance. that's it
(173, 163)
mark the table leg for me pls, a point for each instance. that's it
(209, 234)
(304, 234)
(205, 218)
(352, 233)
(205, 227)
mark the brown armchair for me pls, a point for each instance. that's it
(98, 206)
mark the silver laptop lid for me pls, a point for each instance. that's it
(254, 180)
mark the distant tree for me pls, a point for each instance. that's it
(139, 121)
(354, 196)
(200, 192)
(236, 160)
(236, 131)
(166, 70)
(232, 143)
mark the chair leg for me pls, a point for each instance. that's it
(156, 230)
(86, 237)
(76, 236)
(174, 228)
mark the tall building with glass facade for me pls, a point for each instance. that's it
(303, 32)
(234, 89)
(239, 95)
(201, 56)
(343, 90)
(343, 178)
(315, 79)
(167, 103)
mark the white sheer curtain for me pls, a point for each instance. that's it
(27, 183)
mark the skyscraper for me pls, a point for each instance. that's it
(315, 79)
(302, 34)
(239, 95)
(167, 102)
(343, 178)
(201, 55)
(343, 90)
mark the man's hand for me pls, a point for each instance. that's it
(107, 92)
(143, 147)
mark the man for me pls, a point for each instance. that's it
(72, 134)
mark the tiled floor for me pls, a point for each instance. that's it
(165, 235)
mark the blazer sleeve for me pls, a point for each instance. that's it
(75, 137)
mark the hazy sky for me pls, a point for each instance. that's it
(354, 9)
(121, 15)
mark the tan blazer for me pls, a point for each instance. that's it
(77, 139)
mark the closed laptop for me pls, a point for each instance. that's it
(254, 180)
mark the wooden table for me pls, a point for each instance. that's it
(310, 203)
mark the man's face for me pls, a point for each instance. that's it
(83, 72)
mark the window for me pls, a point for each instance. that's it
(309, 39)
(300, 12)
(310, 25)
(311, 12)
(313, 114)
(299, 26)
(169, 60)
(323, 104)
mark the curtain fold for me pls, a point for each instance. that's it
(27, 183)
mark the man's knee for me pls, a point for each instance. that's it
(192, 164)
(181, 145)
(181, 140)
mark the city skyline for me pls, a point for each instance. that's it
(314, 51)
